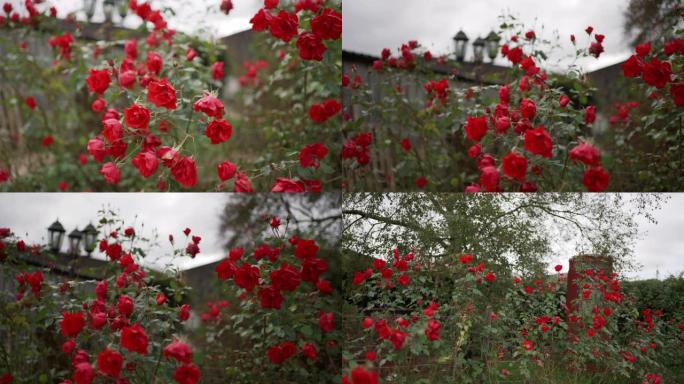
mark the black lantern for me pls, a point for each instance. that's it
(56, 236)
(123, 9)
(75, 242)
(108, 8)
(493, 45)
(478, 50)
(90, 238)
(89, 8)
(460, 45)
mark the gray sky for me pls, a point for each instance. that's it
(29, 215)
(369, 26)
(192, 16)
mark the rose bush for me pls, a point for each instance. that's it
(157, 119)
(461, 322)
(284, 312)
(522, 129)
(123, 326)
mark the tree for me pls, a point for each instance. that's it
(651, 19)
(511, 232)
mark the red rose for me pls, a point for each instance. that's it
(184, 312)
(558, 268)
(190, 54)
(397, 338)
(187, 374)
(247, 276)
(111, 130)
(489, 179)
(405, 144)
(136, 116)
(657, 73)
(326, 322)
(261, 20)
(590, 114)
(596, 179)
(98, 105)
(111, 173)
(185, 172)
(311, 155)
(161, 298)
(421, 182)
(432, 330)
(71, 323)
(360, 375)
(404, 279)
(528, 108)
(310, 46)
(83, 373)
(515, 55)
(288, 186)
(277, 354)
(643, 50)
(677, 92)
(219, 131)
(324, 286)
(490, 277)
(31, 102)
(226, 170)
(476, 127)
(98, 80)
(327, 25)
(226, 6)
(125, 306)
(309, 350)
(564, 101)
(127, 79)
(596, 49)
(514, 166)
(286, 278)
(134, 339)
(226, 269)
(48, 141)
(154, 62)
(209, 105)
(242, 183)
(586, 154)
(284, 26)
(109, 362)
(162, 94)
(217, 70)
(179, 351)
(270, 297)
(146, 163)
(270, 4)
(538, 142)
(131, 49)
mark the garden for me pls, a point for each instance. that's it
(420, 120)
(95, 107)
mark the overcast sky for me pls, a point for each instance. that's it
(29, 215)
(192, 16)
(369, 26)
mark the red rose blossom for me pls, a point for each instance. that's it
(476, 127)
(162, 94)
(146, 163)
(209, 105)
(538, 142)
(134, 339)
(98, 80)
(226, 170)
(311, 155)
(310, 46)
(184, 172)
(514, 166)
(136, 116)
(219, 131)
(111, 173)
(109, 363)
(179, 351)
(71, 323)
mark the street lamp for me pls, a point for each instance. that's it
(478, 50)
(108, 8)
(90, 238)
(493, 45)
(89, 7)
(460, 45)
(75, 242)
(123, 9)
(56, 236)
